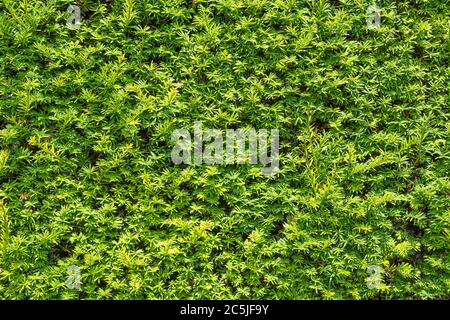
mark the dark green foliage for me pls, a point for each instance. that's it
(86, 177)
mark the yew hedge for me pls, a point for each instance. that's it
(86, 177)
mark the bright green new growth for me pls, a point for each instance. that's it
(86, 178)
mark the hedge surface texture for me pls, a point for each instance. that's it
(86, 177)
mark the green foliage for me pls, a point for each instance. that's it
(86, 177)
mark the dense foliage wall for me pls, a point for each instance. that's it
(86, 177)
